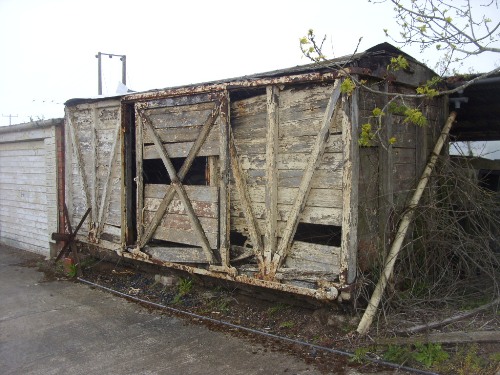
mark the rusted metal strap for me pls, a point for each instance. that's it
(72, 235)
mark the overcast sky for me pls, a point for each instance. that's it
(48, 47)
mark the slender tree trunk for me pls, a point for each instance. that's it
(367, 319)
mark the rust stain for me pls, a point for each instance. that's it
(327, 291)
(258, 82)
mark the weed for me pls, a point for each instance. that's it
(183, 288)
(72, 270)
(220, 304)
(279, 307)
(430, 354)
(88, 262)
(495, 357)
(287, 324)
(398, 354)
(467, 361)
(360, 355)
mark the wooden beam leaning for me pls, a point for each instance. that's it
(241, 187)
(305, 183)
(350, 179)
(271, 235)
(106, 191)
(170, 192)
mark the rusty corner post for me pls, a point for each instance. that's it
(367, 319)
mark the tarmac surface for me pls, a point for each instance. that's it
(62, 327)
(50, 326)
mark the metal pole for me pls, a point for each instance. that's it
(99, 74)
(124, 69)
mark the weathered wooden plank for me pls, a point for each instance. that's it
(249, 126)
(184, 134)
(404, 133)
(317, 197)
(182, 100)
(245, 107)
(305, 184)
(350, 178)
(201, 209)
(177, 254)
(292, 178)
(181, 149)
(106, 193)
(114, 217)
(181, 116)
(139, 179)
(111, 229)
(241, 187)
(185, 237)
(79, 160)
(292, 161)
(177, 221)
(239, 224)
(223, 180)
(404, 171)
(271, 166)
(304, 94)
(305, 256)
(94, 157)
(403, 155)
(197, 193)
(313, 215)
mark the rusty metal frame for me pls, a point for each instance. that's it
(245, 83)
(327, 291)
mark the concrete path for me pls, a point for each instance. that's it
(60, 327)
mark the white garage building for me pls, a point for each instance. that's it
(28, 185)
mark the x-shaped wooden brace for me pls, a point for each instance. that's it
(176, 178)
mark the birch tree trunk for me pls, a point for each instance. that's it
(367, 319)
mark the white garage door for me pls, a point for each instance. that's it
(23, 196)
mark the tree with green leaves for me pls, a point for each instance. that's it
(456, 30)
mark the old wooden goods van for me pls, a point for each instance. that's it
(258, 179)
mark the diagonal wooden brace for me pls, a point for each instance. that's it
(170, 192)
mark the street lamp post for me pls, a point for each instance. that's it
(123, 59)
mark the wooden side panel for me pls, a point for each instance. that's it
(300, 114)
(313, 257)
(248, 125)
(93, 161)
(178, 128)
(175, 226)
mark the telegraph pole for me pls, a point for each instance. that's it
(10, 118)
(123, 59)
